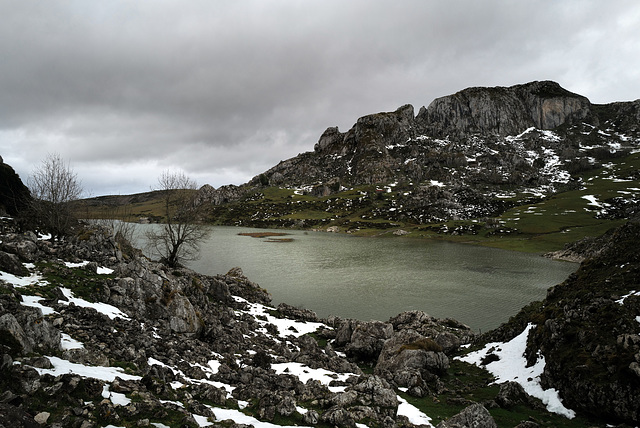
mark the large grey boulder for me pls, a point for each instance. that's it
(409, 359)
(474, 416)
(27, 332)
(11, 263)
(363, 340)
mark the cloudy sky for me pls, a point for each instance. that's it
(223, 90)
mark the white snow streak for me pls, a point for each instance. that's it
(512, 366)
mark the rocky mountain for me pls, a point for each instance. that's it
(472, 154)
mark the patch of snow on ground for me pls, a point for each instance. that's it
(202, 421)
(414, 415)
(240, 418)
(34, 302)
(117, 398)
(304, 373)
(512, 366)
(22, 281)
(104, 308)
(286, 327)
(107, 374)
(67, 342)
(592, 201)
(623, 298)
(101, 270)
(76, 265)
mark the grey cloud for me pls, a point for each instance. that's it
(227, 89)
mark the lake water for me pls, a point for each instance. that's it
(377, 278)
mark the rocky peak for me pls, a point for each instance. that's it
(503, 110)
(373, 131)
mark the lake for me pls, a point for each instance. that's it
(377, 278)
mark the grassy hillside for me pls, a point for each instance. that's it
(531, 224)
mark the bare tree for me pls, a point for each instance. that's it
(53, 187)
(180, 236)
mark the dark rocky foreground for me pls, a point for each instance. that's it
(186, 346)
(124, 341)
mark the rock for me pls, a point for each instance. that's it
(14, 417)
(182, 316)
(512, 394)
(337, 416)
(297, 313)
(13, 336)
(23, 246)
(409, 359)
(311, 417)
(366, 339)
(333, 229)
(11, 263)
(503, 111)
(400, 232)
(474, 416)
(42, 417)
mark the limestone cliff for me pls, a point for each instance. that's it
(503, 111)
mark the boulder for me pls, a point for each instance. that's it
(474, 416)
(366, 339)
(408, 359)
(11, 263)
(13, 336)
(512, 394)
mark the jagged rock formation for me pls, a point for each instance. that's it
(503, 111)
(384, 147)
(466, 155)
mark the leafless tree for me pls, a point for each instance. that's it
(53, 187)
(179, 238)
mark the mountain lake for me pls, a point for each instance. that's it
(377, 278)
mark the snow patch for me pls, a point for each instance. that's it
(512, 366)
(107, 374)
(286, 327)
(104, 308)
(67, 342)
(304, 373)
(414, 415)
(34, 302)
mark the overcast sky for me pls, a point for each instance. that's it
(224, 90)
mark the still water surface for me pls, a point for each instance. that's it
(377, 278)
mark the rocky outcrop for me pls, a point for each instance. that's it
(407, 351)
(473, 416)
(503, 111)
(207, 194)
